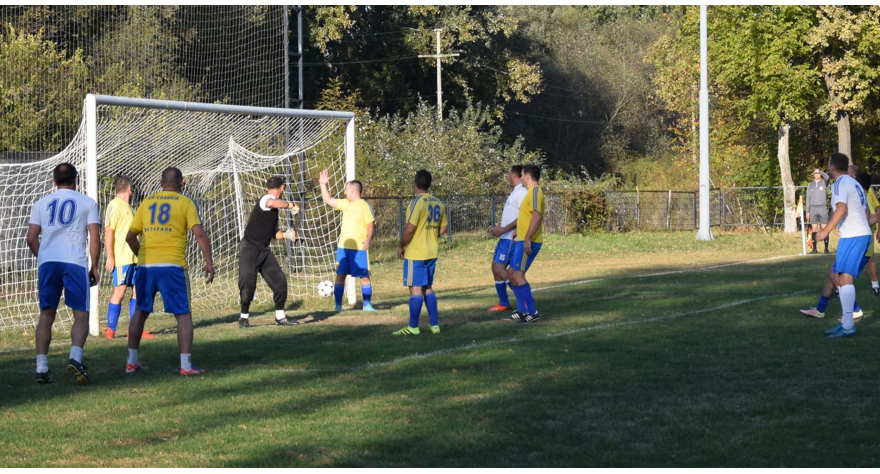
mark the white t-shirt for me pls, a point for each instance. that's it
(64, 217)
(849, 191)
(511, 209)
(264, 202)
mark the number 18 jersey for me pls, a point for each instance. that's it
(164, 219)
(428, 214)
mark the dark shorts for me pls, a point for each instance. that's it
(818, 214)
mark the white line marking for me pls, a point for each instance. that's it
(597, 327)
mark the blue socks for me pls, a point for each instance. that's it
(823, 304)
(530, 301)
(501, 289)
(520, 299)
(856, 308)
(132, 306)
(415, 308)
(431, 305)
(367, 291)
(338, 291)
(113, 315)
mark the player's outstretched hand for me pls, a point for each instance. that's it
(294, 207)
(209, 273)
(108, 267)
(325, 177)
(290, 235)
(94, 276)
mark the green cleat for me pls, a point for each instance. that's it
(435, 329)
(369, 307)
(407, 331)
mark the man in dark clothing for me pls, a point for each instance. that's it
(817, 205)
(256, 256)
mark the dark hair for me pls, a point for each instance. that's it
(274, 182)
(864, 179)
(122, 183)
(839, 162)
(532, 171)
(516, 169)
(359, 184)
(172, 176)
(423, 180)
(64, 174)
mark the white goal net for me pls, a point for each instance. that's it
(226, 154)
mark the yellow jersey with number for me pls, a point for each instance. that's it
(163, 219)
(356, 216)
(428, 214)
(118, 217)
(534, 201)
(873, 204)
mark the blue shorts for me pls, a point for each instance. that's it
(503, 252)
(124, 275)
(352, 262)
(170, 281)
(419, 272)
(72, 278)
(851, 255)
(519, 260)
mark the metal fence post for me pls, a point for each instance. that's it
(492, 205)
(723, 216)
(694, 196)
(400, 217)
(668, 205)
(449, 217)
(638, 210)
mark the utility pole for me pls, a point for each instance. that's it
(705, 233)
(438, 56)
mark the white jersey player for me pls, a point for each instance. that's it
(507, 233)
(68, 222)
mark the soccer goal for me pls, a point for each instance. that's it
(226, 154)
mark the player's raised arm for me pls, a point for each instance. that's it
(325, 193)
(205, 247)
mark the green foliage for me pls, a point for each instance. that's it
(586, 210)
(466, 152)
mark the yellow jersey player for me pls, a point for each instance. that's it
(164, 219)
(352, 252)
(121, 261)
(529, 240)
(419, 248)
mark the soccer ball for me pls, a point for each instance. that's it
(325, 288)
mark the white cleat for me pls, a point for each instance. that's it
(813, 313)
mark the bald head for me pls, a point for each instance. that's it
(172, 179)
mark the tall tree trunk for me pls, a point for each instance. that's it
(844, 138)
(785, 173)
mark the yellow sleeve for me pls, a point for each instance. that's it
(136, 223)
(539, 201)
(342, 204)
(192, 215)
(110, 218)
(415, 213)
(369, 217)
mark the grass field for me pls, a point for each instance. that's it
(654, 350)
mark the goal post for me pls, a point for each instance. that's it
(226, 153)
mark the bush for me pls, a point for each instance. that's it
(586, 210)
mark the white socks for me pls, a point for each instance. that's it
(847, 300)
(76, 353)
(245, 315)
(279, 314)
(875, 284)
(186, 361)
(42, 363)
(132, 357)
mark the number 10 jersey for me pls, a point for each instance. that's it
(64, 217)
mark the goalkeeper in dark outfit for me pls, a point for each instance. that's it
(256, 256)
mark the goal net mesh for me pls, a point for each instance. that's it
(226, 160)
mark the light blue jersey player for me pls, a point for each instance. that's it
(68, 222)
(849, 215)
(507, 233)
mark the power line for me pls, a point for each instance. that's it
(366, 61)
